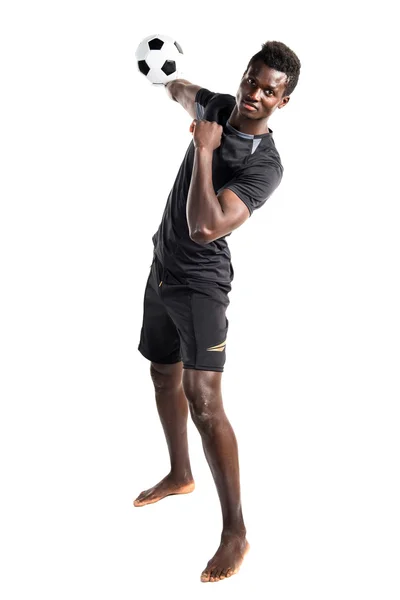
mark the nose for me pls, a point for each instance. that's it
(253, 95)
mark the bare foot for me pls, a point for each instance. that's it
(166, 487)
(227, 559)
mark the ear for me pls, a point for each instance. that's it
(284, 101)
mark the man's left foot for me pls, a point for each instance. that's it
(227, 559)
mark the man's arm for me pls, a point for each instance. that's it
(184, 92)
(210, 217)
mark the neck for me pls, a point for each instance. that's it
(245, 125)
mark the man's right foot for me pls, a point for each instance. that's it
(166, 487)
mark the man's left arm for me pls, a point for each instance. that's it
(210, 216)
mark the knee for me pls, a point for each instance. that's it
(205, 402)
(166, 377)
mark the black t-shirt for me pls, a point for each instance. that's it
(249, 165)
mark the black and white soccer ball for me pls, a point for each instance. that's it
(160, 58)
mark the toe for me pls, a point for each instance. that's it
(205, 576)
(213, 574)
(142, 498)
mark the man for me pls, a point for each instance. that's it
(230, 169)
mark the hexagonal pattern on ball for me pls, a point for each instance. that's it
(159, 58)
(156, 58)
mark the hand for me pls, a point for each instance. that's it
(206, 134)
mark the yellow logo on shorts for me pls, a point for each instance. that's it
(219, 348)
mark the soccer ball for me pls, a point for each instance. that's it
(159, 58)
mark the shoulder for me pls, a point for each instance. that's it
(213, 106)
(267, 155)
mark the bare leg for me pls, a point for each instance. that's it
(172, 408)
(203, 391)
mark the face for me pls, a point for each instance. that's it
(263, 88)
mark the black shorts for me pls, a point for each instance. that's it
(184, 320)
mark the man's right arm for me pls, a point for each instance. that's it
(184, 92)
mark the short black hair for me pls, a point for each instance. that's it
(280, 57)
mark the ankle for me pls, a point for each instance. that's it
(234, 531)
(181, 475)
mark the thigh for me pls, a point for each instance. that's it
(199, 313)
(159, 338)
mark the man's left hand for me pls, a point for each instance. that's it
(206, 134)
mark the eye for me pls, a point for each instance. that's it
(269, 91)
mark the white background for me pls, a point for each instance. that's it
(89, 152)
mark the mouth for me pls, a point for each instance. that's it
(248, 105)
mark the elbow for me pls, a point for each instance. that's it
(170, 87)
(200, 237)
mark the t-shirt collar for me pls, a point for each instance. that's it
(247, 135)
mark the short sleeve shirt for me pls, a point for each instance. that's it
(249, 165)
